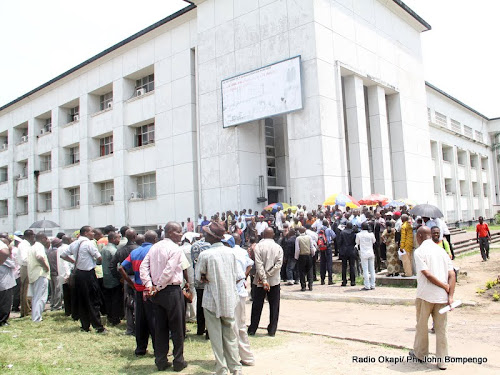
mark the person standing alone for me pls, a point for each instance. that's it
(483, 237)
(435, 289)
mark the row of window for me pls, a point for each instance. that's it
(146, 189)
(456, 126)
(144, 135)
(43, 122)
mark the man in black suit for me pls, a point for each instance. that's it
(347, 252)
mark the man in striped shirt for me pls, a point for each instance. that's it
(144, 319)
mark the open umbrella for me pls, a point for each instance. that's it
(273, 207)
(43, 224)
(426, 210)
(395, 203)
(341, 199)
(374, 199)
(408, 202)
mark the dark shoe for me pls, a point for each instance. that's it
(322, 282)
(363, 288)
(164, 367)
(84, 330)
(102, 331)
(353, 284)
(302, 289)
(343, 284)
(330, 282)
(271, 334)
(310, 288)
(140, 354)
(296, 283)
(180, 367)
(396, 274)
(251, 333)
(414, 357)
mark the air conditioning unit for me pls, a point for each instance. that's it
(110, 105)
(4, 146)
(111, 198)
(21, 175)
(140, 92)
(24, 138)
(135, 195)
(42, 131)
(76, 118)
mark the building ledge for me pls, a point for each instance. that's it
(71, 165)
(141, 147)
(103, 157)
(71, 208)
(70, 123)
(44, 134)
(20, 143)
(103, 204)
(142, 199)
(134, 98)
(101, 112)
(21, 213)
(46, 172)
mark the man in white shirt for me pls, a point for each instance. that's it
(261, 226)
(39, 275)
(435, 289)
(240, 328)
(22, 260)
(64, 269)
(365, 241)
(279, 219)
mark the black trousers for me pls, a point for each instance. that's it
(5, 305)
(314, 261)
(352, 261)
(144, 323)
(484, 246)
(113, 301)
(88, 300)
(67, 299)
(326, 262)
(305, 264)
(168, 310)
(273, 296)
(16, 298)
(200, 315)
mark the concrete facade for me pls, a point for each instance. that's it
(363, 127)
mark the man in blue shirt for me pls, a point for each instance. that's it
(144, 318)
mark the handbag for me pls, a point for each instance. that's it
(71, 280)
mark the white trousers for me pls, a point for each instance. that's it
(240, 330)
(368, 265)
(40, 294)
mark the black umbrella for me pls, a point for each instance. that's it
(426, 210)
(44, 224)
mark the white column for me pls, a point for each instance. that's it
(400, 184)
(381, 152)
(359, 162)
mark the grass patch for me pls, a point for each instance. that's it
(57, 346)
(476, 252)
(473, 228)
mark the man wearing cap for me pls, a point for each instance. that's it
(268, 261)
(217, 267)
(162, 275)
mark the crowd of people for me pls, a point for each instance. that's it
(159, 280)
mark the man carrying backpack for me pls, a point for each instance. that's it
(326, 236)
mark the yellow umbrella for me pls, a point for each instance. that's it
(341, 199)
(408, 202)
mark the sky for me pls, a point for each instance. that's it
(42, 39)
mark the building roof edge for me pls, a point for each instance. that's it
(412, 13)
(457, 101)
(104, 53)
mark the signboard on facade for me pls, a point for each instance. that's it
(264, 92)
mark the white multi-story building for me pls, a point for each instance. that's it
(136, 135)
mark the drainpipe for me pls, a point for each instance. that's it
(37, 174)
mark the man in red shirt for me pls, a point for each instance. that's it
(483, 237)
